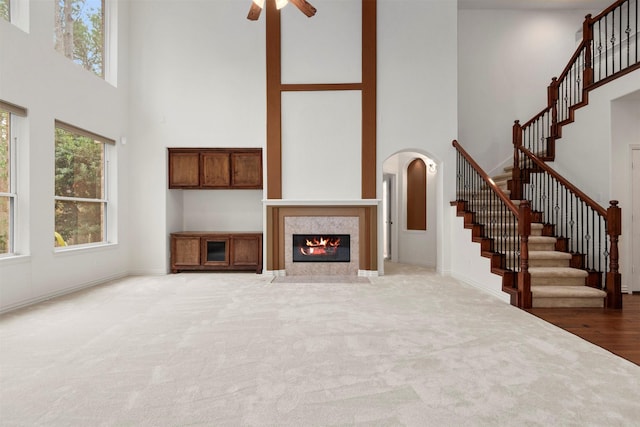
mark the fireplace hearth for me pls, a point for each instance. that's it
(321, 248)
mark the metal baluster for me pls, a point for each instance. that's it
(593, 239)
(582, 226)
(620, 35)
(599, 50)
(628, 32)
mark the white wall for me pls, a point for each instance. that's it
(625, 134)
(417, 94)
(198, 80)
(51, 87)
(321, 145)
(506, 61)
(593, 152)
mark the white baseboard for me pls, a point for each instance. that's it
(502, 296)
(62, 292)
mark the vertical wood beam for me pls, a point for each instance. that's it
(369, 59)
(274, 101)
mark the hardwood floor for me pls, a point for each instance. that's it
(615, 330)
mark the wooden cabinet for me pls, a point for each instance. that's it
(192, 250)
(216, 170)
(211, 168)
(246, 170)
(184, 169)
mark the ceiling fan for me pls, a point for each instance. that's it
(257, 5)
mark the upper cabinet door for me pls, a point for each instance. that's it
(184, 169)
(247, 169)
(216, 171)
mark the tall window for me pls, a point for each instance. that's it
(5, 11)
(8, 185)
(79, 32)
(81, 186)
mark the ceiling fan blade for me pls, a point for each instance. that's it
(254, 12)
(305, 7)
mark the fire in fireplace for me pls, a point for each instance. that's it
(321, 248)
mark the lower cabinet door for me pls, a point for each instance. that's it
(247, 251)
(185, 252)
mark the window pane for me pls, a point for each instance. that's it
(80, 222)
(4, 152)
(5, 227)
(79, 32)
(4, 10)
(79, 166)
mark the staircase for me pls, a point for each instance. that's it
(551, 243)
(554, 281)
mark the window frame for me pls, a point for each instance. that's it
(15, 113)
(19, 14)
(106, 200)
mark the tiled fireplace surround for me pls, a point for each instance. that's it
(359, 221)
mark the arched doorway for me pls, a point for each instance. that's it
(403, 242)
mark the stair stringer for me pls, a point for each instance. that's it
(469, 266)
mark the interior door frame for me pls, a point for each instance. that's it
(634, 189)
(390, 206)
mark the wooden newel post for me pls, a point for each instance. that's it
(524, 278)
(614, 280)
(516, 174)
(587, 39)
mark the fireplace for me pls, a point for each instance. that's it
(321, 248)
(357, 221)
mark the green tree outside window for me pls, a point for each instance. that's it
(4, 10)
(5, 200)
(79, 32)
(79, 187)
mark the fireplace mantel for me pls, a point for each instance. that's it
(298, 202)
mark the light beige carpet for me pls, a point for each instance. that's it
(410, 348)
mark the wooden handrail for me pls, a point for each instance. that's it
(537, 116)
(606, 11)
(512, 207)
(575, 190)
(573, 60)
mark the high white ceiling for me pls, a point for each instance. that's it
(595, 5)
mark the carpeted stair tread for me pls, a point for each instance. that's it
(505, 176)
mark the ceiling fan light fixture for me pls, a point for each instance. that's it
(303, 5)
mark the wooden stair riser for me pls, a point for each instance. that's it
(557, 281)
(558, 302)
(548, 262)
